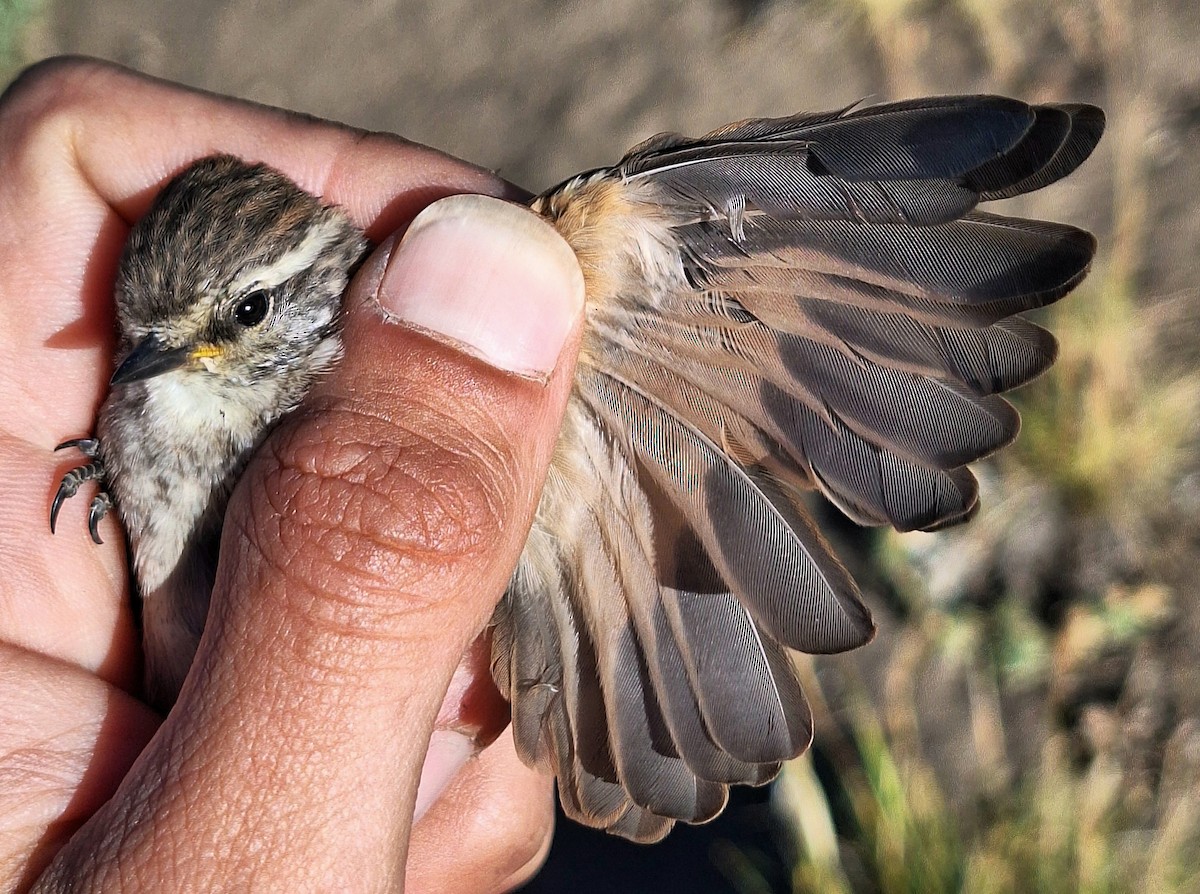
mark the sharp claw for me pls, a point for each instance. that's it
(89, 447)
(69, 486)
(101, 503)
(64, 491)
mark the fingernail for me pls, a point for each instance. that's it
(490, 278)
(448, 753)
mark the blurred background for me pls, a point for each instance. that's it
(1027, 718)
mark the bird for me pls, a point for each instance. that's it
(783, 307)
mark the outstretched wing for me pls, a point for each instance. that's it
(781, 305)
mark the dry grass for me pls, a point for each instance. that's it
(1107, 435)
(15, 18)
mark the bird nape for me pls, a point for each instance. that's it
(785, 305)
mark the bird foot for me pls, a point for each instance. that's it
(71, 482)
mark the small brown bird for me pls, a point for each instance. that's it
(779, 306)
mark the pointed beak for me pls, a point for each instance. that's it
(149, 358)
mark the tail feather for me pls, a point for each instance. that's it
(637, 736)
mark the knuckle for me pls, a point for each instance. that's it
(535, 853)
(510, 846)
(45, 97)
(376, 504)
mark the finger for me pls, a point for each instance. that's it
(83, 146)
(490, 830)
(471, 707)
(364, 549)
(56, 769)
(129, 133)
(472, 716)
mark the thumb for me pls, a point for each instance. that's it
(364, 548)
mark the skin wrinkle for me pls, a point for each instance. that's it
(331, 165)
(39, 101)
(306, 725)
(374, 575)
(347, 499)
(413, 515)
(26, 780)
(333, 177)
(36, 146)
(130, 823)
(58, 745)
(349, 630)
(396, 211)
(71, 748)
(139, 867)
(59, 88)
(462, 422)
(248, 812)
(44, 763)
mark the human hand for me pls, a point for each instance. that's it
(363, 551)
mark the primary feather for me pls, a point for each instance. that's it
(783, 304)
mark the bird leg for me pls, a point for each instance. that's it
(71, 482)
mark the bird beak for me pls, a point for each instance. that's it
(148, 359)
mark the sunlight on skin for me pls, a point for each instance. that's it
(83, 147)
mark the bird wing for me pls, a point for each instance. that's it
(813, 302)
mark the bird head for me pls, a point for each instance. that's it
(231, 287)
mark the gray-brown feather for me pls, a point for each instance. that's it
(808, 302)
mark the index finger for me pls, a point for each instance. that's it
(84, 147)
(129, 132)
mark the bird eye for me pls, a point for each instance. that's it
(252, 309)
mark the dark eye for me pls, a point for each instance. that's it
(252, 309)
